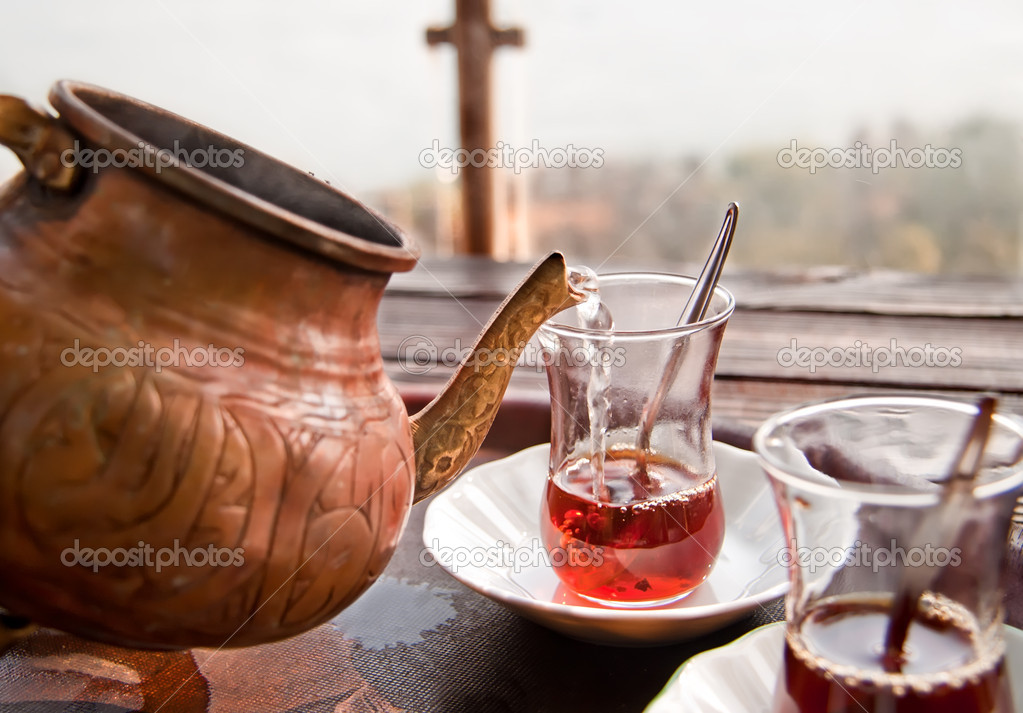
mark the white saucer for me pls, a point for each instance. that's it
(740, 677)
(485, 531)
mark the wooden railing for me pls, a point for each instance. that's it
(977, 322)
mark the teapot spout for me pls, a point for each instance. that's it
(450, 429)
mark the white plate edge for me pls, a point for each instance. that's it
(1013, 654)
(592, 613)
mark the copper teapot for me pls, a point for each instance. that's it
(198, 443)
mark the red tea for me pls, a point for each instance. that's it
(648, 539)
(834, 663)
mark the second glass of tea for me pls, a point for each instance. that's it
(628, 525)
(860, 485)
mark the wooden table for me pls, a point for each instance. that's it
(445, 303)
(420, 641)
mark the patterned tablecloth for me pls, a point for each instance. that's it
(416, 641)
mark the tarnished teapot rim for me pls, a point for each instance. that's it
(281, 200)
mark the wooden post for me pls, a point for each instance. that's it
(475, 39)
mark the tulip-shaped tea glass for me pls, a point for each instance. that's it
(859, 483)
(624, 526)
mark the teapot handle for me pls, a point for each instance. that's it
(39, 140)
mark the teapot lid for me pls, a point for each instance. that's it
(236, 179)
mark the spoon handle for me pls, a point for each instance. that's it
(940, 526)
(695, 309)
(696, 306)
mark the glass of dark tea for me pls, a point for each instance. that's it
(632, 513)
(895, 603)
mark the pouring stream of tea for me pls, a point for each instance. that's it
(695, 310)
(594, 315)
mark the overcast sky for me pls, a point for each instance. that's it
(350, 91)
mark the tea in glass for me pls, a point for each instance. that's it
(858, 481)
(634, 529)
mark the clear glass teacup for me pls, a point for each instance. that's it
(859, 483)
(628, 526)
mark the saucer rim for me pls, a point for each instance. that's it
(1013, 653)
(674, 612)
